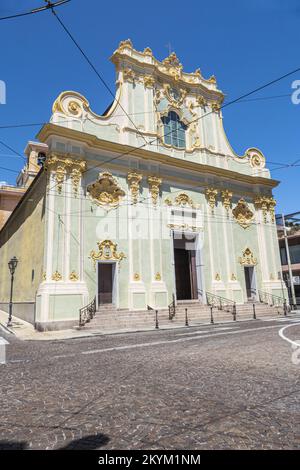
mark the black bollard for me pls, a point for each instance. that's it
(156, 320)
(211, 315)
(234, 312)
(186, 318)
(254, 313)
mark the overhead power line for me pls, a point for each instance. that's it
(239, 99)
(11, 149)
(36, 10)
(42, 123)
(96, 71)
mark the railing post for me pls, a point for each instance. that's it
(254, 313)
(156, 320)
(211, 315)
(234, 311)
(186, 317)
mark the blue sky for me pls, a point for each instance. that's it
(244, 43)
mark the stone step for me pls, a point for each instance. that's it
(109, 318)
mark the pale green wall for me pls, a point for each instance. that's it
(23, 237)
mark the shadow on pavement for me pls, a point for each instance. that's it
(94, 441)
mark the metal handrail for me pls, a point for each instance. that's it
(87, 312)
(273, 300)
(172, 308)
(270, 299)
(221, 303)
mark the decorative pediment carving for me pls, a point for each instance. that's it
(174, 96)
(242, 214)
(247, 259)
(183, 200)
(106, 190)
(107, 251)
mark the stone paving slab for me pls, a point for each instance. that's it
(230, 391)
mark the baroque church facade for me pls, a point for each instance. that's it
(143, 204)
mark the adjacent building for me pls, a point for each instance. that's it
(292, 239)
(142, 204)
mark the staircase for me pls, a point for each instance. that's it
(108, 319)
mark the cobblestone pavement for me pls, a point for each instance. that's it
(211, 387)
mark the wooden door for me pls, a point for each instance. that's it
(105, 283)
(182, 274)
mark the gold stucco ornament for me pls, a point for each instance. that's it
(248, 258)
(158, 276)
(134, 180)
(242, 214)
(107, 251)
(184, 199)
(106, 190)
(154, 184)
(226, 199)
(267, 205)
(136, 277)
(74, 108)
(56, 276)
(60, 164)
(149, 81)
(256, 158)
(211, 196)
(73, 276)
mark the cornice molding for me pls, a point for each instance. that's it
(88, 139)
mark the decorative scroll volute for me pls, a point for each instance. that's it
(107, 251)
(242, 214)
(106, 190)
(134, 180)
(248, 258)
(154, 184)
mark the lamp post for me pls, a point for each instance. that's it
(12, 264)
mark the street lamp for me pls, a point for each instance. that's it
(12, 264)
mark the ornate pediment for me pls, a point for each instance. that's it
(242, 214)
(106, 190)
(183, 200)
(247, 259)
(107, 251)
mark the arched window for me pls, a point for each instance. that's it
(174, 130)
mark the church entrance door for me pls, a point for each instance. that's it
(185, 270)
(105, 283)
